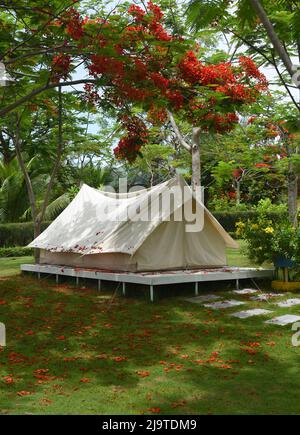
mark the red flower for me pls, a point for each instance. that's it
(136, 12)
(143, 373)
(156, 11)
(251, 69)
(263, 165)
(74, 24)
(85, 380)
(24, 393)
(60, 66)
(8, 379)
(159, 80)
(129, 146)
(154, 410)
(175, 98)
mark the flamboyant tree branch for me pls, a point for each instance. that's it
(178, 134)
(277, 44)
(59, 153)
(285, 84)
(31, 196)
(41, 89)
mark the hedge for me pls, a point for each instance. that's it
(16, 251)
(18, 234)
(229, 219)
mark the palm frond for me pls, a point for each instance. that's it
(57, 206)
(201, 13)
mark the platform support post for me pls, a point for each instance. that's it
(99, 285)
(77, 281)
(151, 293)
(39, 275)
(56, 279)
(237, 284)
(196, 289)
(124, 288)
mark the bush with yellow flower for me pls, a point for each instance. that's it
(266, 240)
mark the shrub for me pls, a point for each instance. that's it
(271, 241)
(18, 234)
(229, 219)
(17, 251)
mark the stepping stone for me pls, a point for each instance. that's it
(266, 296)
(245, 291)
(289, 303)
(284, 320)
(223, 304)
(250, 313)
(203, 298)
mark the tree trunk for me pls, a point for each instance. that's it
(38, 217)
(196, 161)
(29, 187)
(238, 193)
(278, 46)
(37, 232)
(292, 195)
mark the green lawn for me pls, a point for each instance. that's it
(11, 265)
(77, 351)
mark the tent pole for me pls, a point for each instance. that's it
(196, 288)
(124, 288)
(99, 285)
(151, 293)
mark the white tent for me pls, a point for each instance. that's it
(138, 231)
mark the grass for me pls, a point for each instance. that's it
(75, 351)
(11, 265)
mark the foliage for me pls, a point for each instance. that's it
(265, 206)
(229, 219)
(17, 251)
(268, 240)
(17, 234)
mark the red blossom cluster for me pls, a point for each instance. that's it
(139, 64)
(251, 69)
(60, 67)
(219, 123)
(74, 24)
(130, 145)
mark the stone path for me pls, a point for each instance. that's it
(251, 313)
(266, 296)
(220, 304)
(224, 304)
(284, 320)
(289, 303)
(245, 291)
(203, 298)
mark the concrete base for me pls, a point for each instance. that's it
(152, 278)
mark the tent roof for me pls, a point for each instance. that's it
(97, 222)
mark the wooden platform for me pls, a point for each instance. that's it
(152, 278)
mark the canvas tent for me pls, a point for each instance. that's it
(113, 232)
